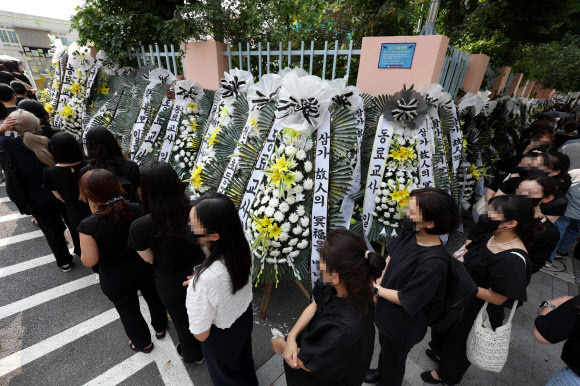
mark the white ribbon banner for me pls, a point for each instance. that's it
(213, 122)
(138, 130)
(456, 139)
(424, 149)
(376, 171)
(65, 92)
(348, 203)
(55, 92)
(170, 133)
(235, 159)
(436, 132)
(319, 222)
(257, 174)
(90, 81)
(154, 131)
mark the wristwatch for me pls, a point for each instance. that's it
(546, 304)
(376, 291)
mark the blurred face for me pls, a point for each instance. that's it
(328, 277)
(203, 238)
(498, 218)
(533, 192)
(414, 216)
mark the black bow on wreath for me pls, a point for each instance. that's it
(190, 93)
(262, 101)
(407, 106)
(342, 99)
(231, 88)
(407, 111)
(308, 107)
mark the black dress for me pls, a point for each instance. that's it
(419, 274)
(543, 245)
(122, 274)
(65, 181)
(174, 259)
(506, 273)
(336, 345)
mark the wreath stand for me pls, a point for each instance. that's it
(268, 292)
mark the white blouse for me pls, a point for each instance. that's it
(211, 300)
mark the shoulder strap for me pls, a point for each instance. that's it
(520, 256)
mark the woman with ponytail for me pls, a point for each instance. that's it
(104, 236)
(498, 262)
(332, 341)
(30, 156)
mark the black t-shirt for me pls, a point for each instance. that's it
(421, 286)
(563, 323)
(10, 110)
(128, 170)
(561, 139)
(48, 131)
(543, 245)
(64, 180)
(506, 273)
(337, 344)
(111, 239)
(175, 254)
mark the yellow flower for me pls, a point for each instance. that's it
(149, 149)
(195, 178)
(291, 133)
(263, 224)
(400, 196)
(465, 145)
(75, 88)
(213, 137)
(403, 154)
(103, 89)
(224, 110)
(67, 112)
(274, 231)
(253, 122)
(48, 107)
(192, 106)
(280, 173)
(475, 172)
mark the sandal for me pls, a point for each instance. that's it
(160, 336)
(431, 354)
(428, 378)
(145, 350)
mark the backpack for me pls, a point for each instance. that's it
(130, 189)
(14, 186)
(460, 289)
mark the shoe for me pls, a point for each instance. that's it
(561, 255)
(548, 264)
(66, 267)
(373, 376)
(431, 354)
(145, 350)
(428, 378)
(178, 347)
(162, 335)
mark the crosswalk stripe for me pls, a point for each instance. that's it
(45, 296)
(16, 268)
(122, 371)
(18, 238)
(18, 359)
(4, 199)
(3, 184)
(11, 217)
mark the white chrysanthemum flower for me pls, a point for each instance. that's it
(298, 176)
(377, 200)
(284, 236)
(308, 184)
(286, 227)
(300, 155)
(294, 254)
(284, 207)
(293, 242)
(269, 212)
(274, 253)
(303, 244)
(297, 230)
(287, 250)
(297, 189)
(278, 216)
(391, 210)
(291, 200)
(384, 206)
(275, 244)
(309, 145)
(306, 233)
(304, 222)
(384, 200)
(265, 200)
(391, 182)
(276, 194)
(289, 150)
(301, 211)
(383, 185)
(281, 148)
(307, 166)
(293, 218)
(182, 165)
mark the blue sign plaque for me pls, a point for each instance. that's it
(396, 55)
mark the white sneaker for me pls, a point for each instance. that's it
(548, 264)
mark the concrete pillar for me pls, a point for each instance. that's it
(425, 68)
(515, 84)
(529, 88)
(205, 63)
(522, 88)
(500, 80)
(536, 90)
(475, 72)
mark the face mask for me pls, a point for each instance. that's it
(487, 224)
(533, 201)
(408, 224)
(528, 172)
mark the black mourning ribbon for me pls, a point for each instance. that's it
(342, 99)
(405, 111)
(262, 101)
(190, 93)
(308, 107)
(231, 88)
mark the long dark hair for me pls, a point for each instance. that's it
(100, 186)
(547, 183)
(345, 253)
(218, 214)
(36, 108)
(104, 151)
(514, 208)
(65, 148)
(558, 162)
(163, 195)
(438, 206)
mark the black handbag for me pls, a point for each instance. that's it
(14, 186)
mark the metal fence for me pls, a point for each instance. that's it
(264, 59)
(168, 58)
(454, 70)
(488, 77)
(508, 84)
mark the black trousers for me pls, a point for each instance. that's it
(74, 215)
(228, 353)
(173, 294)
(392, 361)
(120, 284)
(50, 221)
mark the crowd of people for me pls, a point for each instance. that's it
(139, 232)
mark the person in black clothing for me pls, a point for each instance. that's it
(104, 237)
(162, 237)
(19, 90)
(412, 288)
(498, 262)
(569, 131)
(8, 98)
(31, 156)
(63, 178)
(539, 190)
(14, 68)
(104, 152)
(559, 321)
(332, 341)
(39, 112)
